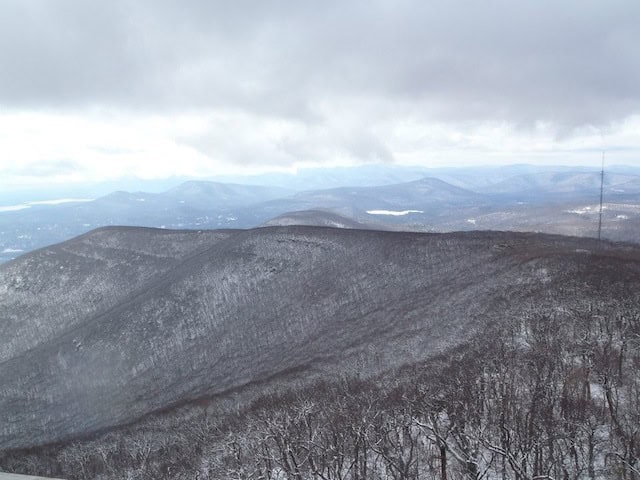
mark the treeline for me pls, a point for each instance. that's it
(551, 395)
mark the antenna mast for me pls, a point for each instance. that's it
(601, 197)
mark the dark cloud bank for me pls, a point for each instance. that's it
(572, 63)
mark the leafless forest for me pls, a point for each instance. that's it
(553, 395)
(316, 353)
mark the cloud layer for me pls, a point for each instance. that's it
(313, 81)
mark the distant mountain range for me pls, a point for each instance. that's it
(522, 198)
(565, 185)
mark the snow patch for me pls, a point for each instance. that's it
(395, 213)
(472, 221)
(57, 201)
(12, 250)
(580, 211)
(587, 209)
(13, 208)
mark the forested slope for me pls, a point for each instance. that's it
(479, 352)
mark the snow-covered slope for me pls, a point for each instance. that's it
(105, 328)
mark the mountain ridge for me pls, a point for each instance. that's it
(247, 305)
(494, 198)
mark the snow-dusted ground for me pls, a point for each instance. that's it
(57, 201)
(587, 209)
(13, 476)
(594, 209)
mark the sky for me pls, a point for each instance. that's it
(99, 90)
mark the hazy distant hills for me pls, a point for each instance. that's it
(319, 218)
(562, 185)
(204, 194)
(373, 175)
(417, 194)
(521, 198)
(426, 197)
(198, 205)
(192, 204)
(120, 322)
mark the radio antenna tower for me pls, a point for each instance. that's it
(601, 197)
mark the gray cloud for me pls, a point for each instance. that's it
(572, 62)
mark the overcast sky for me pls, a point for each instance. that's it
(95, 90)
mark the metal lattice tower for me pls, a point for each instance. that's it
(601, 198)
